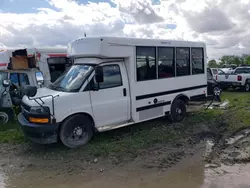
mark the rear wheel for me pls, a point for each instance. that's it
(247, 87)
(178, 111)
(76, 131)
(217, 91)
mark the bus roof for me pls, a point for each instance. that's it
(119, 47)
(141, 41)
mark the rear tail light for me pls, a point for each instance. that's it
(216, 77)
(239, 78)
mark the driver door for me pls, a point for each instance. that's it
(110, 104)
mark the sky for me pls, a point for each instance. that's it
(224, 25)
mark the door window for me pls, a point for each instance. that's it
(112, 77)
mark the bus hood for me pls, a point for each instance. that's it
(45, 94)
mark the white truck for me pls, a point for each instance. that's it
(115, 82)
(240, 78)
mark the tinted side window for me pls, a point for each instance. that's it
(24, 79)
(112, 77)
(14, 79)
(182, 61)
(197, 61)
(146, 63)
(166, 68)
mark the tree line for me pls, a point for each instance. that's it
(230, 59)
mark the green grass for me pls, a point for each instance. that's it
(11, 133)
(129, 140)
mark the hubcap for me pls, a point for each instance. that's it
(178, 110)
(216, 91)
(78, 131)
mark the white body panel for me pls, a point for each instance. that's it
(110, 108)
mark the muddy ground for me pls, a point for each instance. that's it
(205, 158)
(210, 149)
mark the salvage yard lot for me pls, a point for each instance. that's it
(133, 139)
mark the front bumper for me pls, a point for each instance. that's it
(39, 133)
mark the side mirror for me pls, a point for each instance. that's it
(99, 74)
(6, 83)
(30, 91)
(39, 78)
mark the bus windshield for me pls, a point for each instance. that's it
(72, 80)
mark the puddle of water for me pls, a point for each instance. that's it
(234, 139)
(236, 176)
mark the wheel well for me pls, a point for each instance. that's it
(81, 113)
(182, 97)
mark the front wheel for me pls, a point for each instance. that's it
(76, 131)
(178, 111)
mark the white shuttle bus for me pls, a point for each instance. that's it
(115, 82)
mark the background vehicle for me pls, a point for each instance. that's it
(228, 68)
(214, 72)
(240, 78)
(115, 82)
(15, 79)
(52, 62)
(213, 87)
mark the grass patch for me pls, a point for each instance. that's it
(11, 133)
(129, 140)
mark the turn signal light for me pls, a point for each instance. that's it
(38, 120)
(239, 78)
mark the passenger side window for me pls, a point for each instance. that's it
(197, 61)
(24, 79)
(146, 63)
(182, 61)
(112, 77)
(166, 65)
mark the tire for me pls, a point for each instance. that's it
(6, 115)
(178, 111)
(247, 87)
(76, 131)
(216, 91)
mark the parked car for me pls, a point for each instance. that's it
(240, 78)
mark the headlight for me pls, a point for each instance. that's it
(39, 110)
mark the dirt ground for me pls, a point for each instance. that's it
(205, 159)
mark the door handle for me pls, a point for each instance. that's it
(124, 92)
